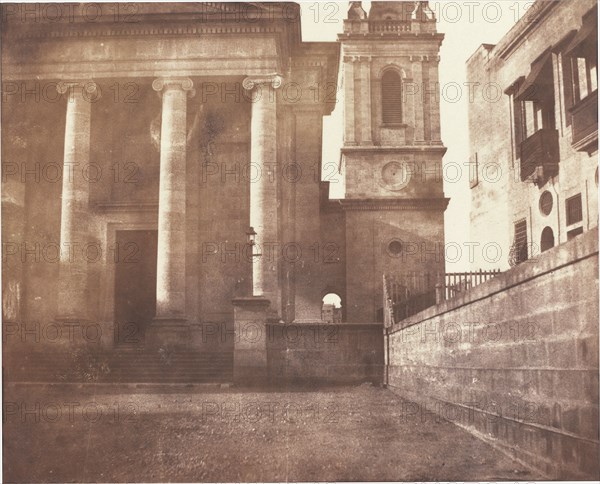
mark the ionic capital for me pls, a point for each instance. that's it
(271, 80)
(83, 86)
(182, 83)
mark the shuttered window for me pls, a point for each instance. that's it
(521, 241)
(574, 209)
(391, 98)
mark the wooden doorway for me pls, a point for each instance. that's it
(135, 284)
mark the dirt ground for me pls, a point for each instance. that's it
(100, 433)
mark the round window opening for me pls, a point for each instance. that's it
(395, 248)
(546, 203)
(394, 176)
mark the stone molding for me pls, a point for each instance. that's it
(374, 204)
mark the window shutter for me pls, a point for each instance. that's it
(521, 241)
(391, 98)
(574, 209)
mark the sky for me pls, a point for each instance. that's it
(466, 26)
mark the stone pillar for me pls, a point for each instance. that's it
(251, 340)
(263, 185)
(434, 104)
(349, 106)
(366, 134)
(170, 325)
(72, 282)
(419, 123)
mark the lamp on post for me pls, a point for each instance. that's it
(251, 235)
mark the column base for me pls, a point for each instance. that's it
(250, 342)
(168, 331)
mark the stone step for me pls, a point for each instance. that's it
(125, 366)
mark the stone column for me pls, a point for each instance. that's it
(170, 322)
(263, 185)
(72, 283)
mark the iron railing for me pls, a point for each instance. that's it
(407, 294)
(457, 282)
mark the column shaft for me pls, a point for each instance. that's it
(263, 186)
(72, 293)
(170, 272)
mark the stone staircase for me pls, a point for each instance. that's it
(120, 365)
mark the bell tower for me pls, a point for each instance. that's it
(392, 151)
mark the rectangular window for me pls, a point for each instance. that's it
(574, 209)
(593, 76)
(571, 234)
(539, 117)
(583, 51)
(569, 88)
(533, 100)
(585, 77)
(582, 80)
(529, 117)
(520, 244)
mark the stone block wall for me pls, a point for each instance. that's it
(514, 361)
(325, 353)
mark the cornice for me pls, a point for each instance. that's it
(133, 207)
(530, 21)
(391, 37)
(396, 204)
(119, 30)
(437, 149)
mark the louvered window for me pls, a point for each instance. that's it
(521, 241)
(391, 98)
(574, 210)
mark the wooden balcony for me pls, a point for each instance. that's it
(540, 150)
(585, 123)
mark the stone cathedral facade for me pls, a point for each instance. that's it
(162, 164)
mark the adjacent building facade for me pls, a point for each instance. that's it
(534, 134)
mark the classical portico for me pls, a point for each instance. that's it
(179, 134)
(191, 138)
(198, 128)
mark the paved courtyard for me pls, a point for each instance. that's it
(115, 434)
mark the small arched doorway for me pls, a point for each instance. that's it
(331, 310)
(547, 240)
